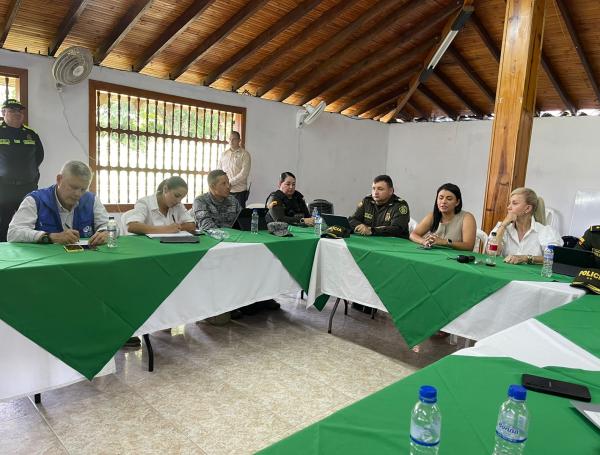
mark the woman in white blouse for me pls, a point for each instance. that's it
(522, 235)
(163, 212)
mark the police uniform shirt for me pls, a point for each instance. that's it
(21, 153)
(22, 226)
(591, 241)
(211, 213)
(289, 210)
(390, 219)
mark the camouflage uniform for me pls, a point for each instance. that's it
(210, 213)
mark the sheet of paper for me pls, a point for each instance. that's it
(82, 242)
(176, 234)
(590, 410)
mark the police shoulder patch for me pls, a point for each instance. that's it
(403, 209)
(272, 204)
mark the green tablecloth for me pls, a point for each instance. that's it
(82, 307)
(470, 390)
(578, 321)
(423, 290)
(296, 253)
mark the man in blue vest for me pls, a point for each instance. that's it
(62, 213)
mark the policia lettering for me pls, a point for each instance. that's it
(390, 219)
(21, 153)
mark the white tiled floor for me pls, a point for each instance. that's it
(220, 389)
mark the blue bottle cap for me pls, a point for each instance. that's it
(518, 392)
(428, 394)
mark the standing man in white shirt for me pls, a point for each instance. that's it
(236, 164)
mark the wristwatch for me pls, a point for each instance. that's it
(529, 259)
(45, 238)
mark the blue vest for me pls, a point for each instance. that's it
(48, 219)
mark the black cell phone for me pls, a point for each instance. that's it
(554, 387)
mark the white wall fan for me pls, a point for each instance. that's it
(308, 114)
(72, 66)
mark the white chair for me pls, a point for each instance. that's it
(412, 224)
(480, 241)
(256, 205)
(551, 218)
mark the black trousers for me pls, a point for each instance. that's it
(242, 197)
(11, 197)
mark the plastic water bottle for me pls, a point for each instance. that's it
(425, 423)
(548, 261)
(492, 250)
(317, 222)
(111, 228)
(513, 421)
(217, 234)
(254, 223)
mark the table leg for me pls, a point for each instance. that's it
(150, 352)
(337, 302)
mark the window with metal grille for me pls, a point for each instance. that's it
(13, 84)
(141, 138)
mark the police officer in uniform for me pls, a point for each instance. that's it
(21, 153)
(591, 242)
(383, 213)
(288, 205)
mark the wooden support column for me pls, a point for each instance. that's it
(515, 105)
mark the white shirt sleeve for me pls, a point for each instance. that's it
(100, 215)
(242, 175)
(549, 236)
(139, 214)
(22, 226)
(182, 215)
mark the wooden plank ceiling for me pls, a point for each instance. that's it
(357, 55)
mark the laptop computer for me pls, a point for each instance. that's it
(569, 261)
(244, 220)
(336, 220)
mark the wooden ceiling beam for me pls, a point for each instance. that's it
(417, 108)
(551, 73)
(380, 111)
(75, 11)
(437, 101)
(282, 24)
(325, 48)
(217, 36)
(309, 31)
(566, 16)
(123, 27)
(485, 37)
(458, 93)
(422, 27)
(13, 9)
(361, 84)
(338, 58)
(452, 27)
(470, 72)
(171, 32)
(384, 100)
(379, 87)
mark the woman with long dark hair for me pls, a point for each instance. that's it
(447, 225)
(286, 204)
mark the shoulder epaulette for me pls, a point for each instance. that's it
(595, 228)
(25, 127)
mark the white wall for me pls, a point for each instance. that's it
(563, 158)
(357, 150)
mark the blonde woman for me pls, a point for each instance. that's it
(522, 235)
